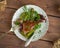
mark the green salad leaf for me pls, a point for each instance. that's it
(29, 14)
(37, 26)
(17, 23)
(30, 33)
(23, 34)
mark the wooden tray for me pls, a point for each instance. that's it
(50, 7)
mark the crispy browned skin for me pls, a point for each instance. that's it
(27, 26)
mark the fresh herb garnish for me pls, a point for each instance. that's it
(17, 23)
(30, 33)
(37, 26)
(23, 34)
(29, 14)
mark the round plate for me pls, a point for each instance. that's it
(43, 28)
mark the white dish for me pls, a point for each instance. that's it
(43, 28)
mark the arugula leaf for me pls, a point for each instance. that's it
(23, 34)
(17, 23)
(29, 14)
(30, 33)
(37, 26)
(34, 15)
(22, 16)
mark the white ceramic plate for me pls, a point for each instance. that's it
(43, 28)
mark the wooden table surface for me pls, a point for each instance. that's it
(52, 9)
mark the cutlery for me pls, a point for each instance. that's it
(29, 40)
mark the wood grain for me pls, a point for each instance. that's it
(54, 25)
(50, 6)
(5, 20)
(11, 41)
(54, 29)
